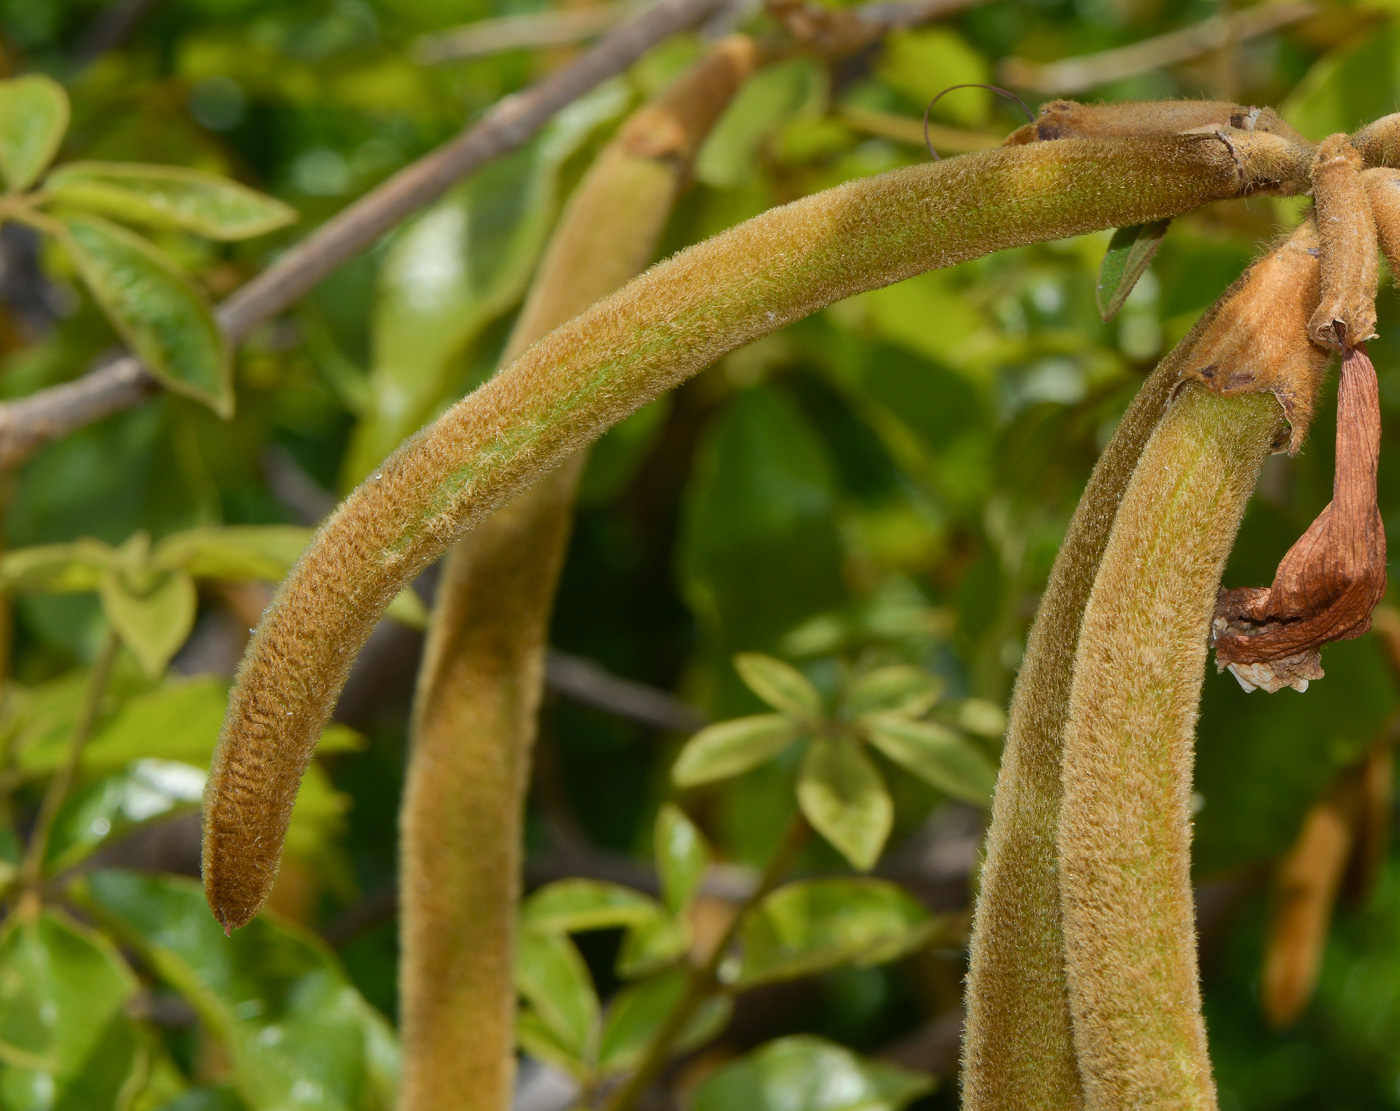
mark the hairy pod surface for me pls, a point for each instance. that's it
(1347, 242)
(1068, 119)
(571, 386)
(1125, 820)
(481, 680)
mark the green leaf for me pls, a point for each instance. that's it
(552, 977)
(936, 755)
(638, 1010)
(298, 1035)
(152, 613)
(805, 1073)
(65, 1038)
(34, 115)
(984, 718)
(56, 568)
(731, 747)
(815, 925)
(841, 793)
(780, 685)
(169, 197)
(542, 1043)
(681, 856)
(651, 946)
(1129, 254)
(233, 553)
(574, 905)
(110, 807)
(156, 308)
(906, 691)
(772, 97)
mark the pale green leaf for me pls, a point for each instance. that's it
(153, 614)
(804, 1073)
(936, 755)
(638, 1010)
(538, 1040)
(652, 945)
(731, 747)
(65, 1038)
(1130, 252)
(34, 115)
(233, 553)
(780, 685)
(552, 977)
(815, 925)
(681, 856)
(842, 794)
(908, 691)
(169, 197)
(157, 309)
(984, 718)
(574, 905)
(56, 568)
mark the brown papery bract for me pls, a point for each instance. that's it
(571, 386)
(481, 680)
(1347, 242)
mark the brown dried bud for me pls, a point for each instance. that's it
(1333, 577)
(1068, 119)
(1347, 238)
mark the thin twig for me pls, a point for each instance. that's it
(32, 867)
(704, 980)
(583, 681)
(559, 27)
(27, 424)
(906, 129)
(1075, 75)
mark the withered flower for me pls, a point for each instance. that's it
(1333, 577)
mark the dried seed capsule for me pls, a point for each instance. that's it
(1346, 233)
(1065, 119)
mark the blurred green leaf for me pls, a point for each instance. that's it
(542, 1043)
(638, 1010)
(842, 794)
(767, 101)
(780, 685)
(233, 553)
(731, 747)
(156, 308)
(652, 945)
(921, 63)
(33, 118)
(681, 856)
(804, 1073)
(984, 718)
(56, 568)
(168, 197)
(552, 977)
(153, 614)
(297, 1033)
(575, 905)
(936, 755)
(814, 925)
(900, 690)
(1348, 88)
(1130, 253)
(65, 1038)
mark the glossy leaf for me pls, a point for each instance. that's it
(34, 115)
(1130, 253)
(780, 685)
(652, 945)
(906, 691)
(936, 755)
(156, 308)
(805, 1073)
(552, 977)
(731, 747)
(298, 1035)
(152, 613)
(65, 1038)
(168, 197)
(56, 568)
(681, 856)
(635, 1013)
(814, 925)
(842, 794)
(573, 905)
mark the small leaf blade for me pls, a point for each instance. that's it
(843, 795)
(551, 975)
(723, 750)
(936, 755)
(34, 114)
(681, 856)
(780, 685)
(156, 309)
(903, 690)
(1129, 254)
(575, 905)
(153, 620)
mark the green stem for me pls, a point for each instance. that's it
(31, 868)
(1125, 821)
(704, 982)
(584, 377)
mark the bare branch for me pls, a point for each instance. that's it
(28, 424)
(1075, 75)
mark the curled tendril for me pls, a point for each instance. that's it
(1004, 93)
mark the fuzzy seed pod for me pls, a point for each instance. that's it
(1347, 239)
(1125, 822)
(1065, 119)
(581, 379)
(1383, 195)
(1379, 141)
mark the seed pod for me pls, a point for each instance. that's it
(1379, 141)
(1347, 239)
(1383, 195)
(1065, 119)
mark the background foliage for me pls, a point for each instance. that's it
(884, 484)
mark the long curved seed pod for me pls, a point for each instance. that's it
(480, 683)
(1018, 1047)
(584, 377)
(1068, 119)
(1125, 821)
(1347, 242)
